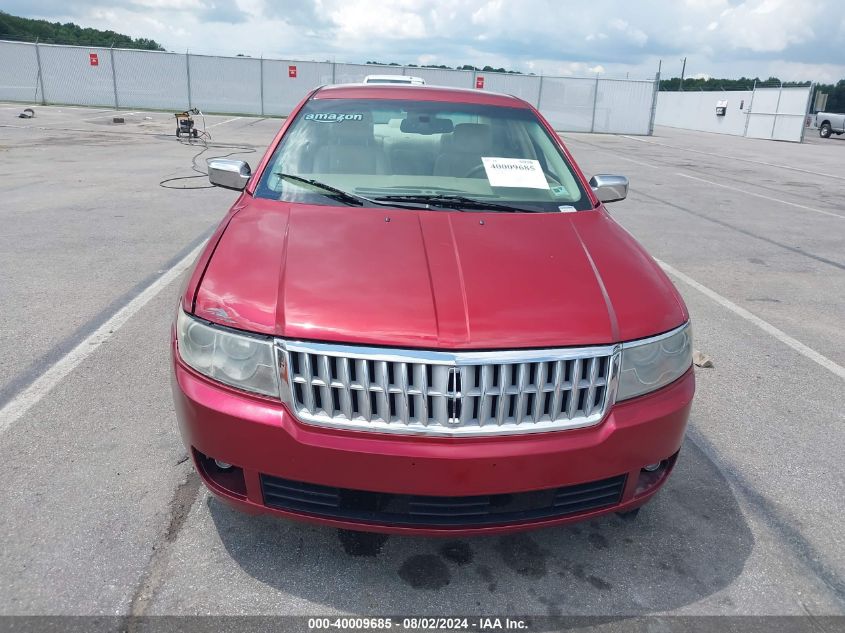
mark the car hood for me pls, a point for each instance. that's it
(434, 279)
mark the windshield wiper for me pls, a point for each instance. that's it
(456, 202)
(340, 194)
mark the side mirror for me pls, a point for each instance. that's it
(229, 174)
(609, 188)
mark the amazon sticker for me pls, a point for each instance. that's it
(333, 117)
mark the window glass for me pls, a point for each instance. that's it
(376, 148)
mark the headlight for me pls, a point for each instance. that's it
(655, 362)
(245, 362)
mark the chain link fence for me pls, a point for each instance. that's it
(122, 78)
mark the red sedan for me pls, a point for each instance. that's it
(418, 316)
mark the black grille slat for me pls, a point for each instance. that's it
(289, 492)
(304, 500)
(300, 487)
(444, 508)
(300, 496)
(449, 515)
(418, 510)
(585, 499)
(576, 490)
(450, 504)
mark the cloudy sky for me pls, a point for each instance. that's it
(792, 39)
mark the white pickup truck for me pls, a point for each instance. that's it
(830, 123)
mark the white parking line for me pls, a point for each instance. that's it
(767, 327)
(44, 128)
(607, 151)
(631, 160)
(759, 195)
(731, 157)
(225, 122)
(42, 385)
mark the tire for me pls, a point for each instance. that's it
(825, 130)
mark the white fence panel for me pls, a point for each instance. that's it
(765, 100)
(794, 101)
(245, 85)
(71, 78)
(151, 79)
(18, 72)
(623, 107)
(226, 84)
(567, 103)
(282, 92)
(697, 111)
(523, 86)
(760, 126)
(443, 77)
(778, 113)
(788, 128)
(767, 113)
(355, 73)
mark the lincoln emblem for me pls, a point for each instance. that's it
(454, 395)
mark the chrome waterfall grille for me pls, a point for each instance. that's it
(444, 393)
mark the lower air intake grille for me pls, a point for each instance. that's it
(421, 511)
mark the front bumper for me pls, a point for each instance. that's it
(384, 474)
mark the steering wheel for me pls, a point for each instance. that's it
(477, 169)
(472, 172)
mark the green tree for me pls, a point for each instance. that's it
(714, 84)
(26, 29)
(835, 95)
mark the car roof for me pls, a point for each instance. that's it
(418, 93)
(393, 77)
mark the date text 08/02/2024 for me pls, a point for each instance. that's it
(420, 623)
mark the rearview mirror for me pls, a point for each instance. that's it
(425, 124)
(229, 174)
(609, 188)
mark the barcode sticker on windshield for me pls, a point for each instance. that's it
(514, 172)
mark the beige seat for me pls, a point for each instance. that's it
(412, 154)
(470, 141)
(351, 149)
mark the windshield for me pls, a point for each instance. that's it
(390, 150)
(387, 80)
